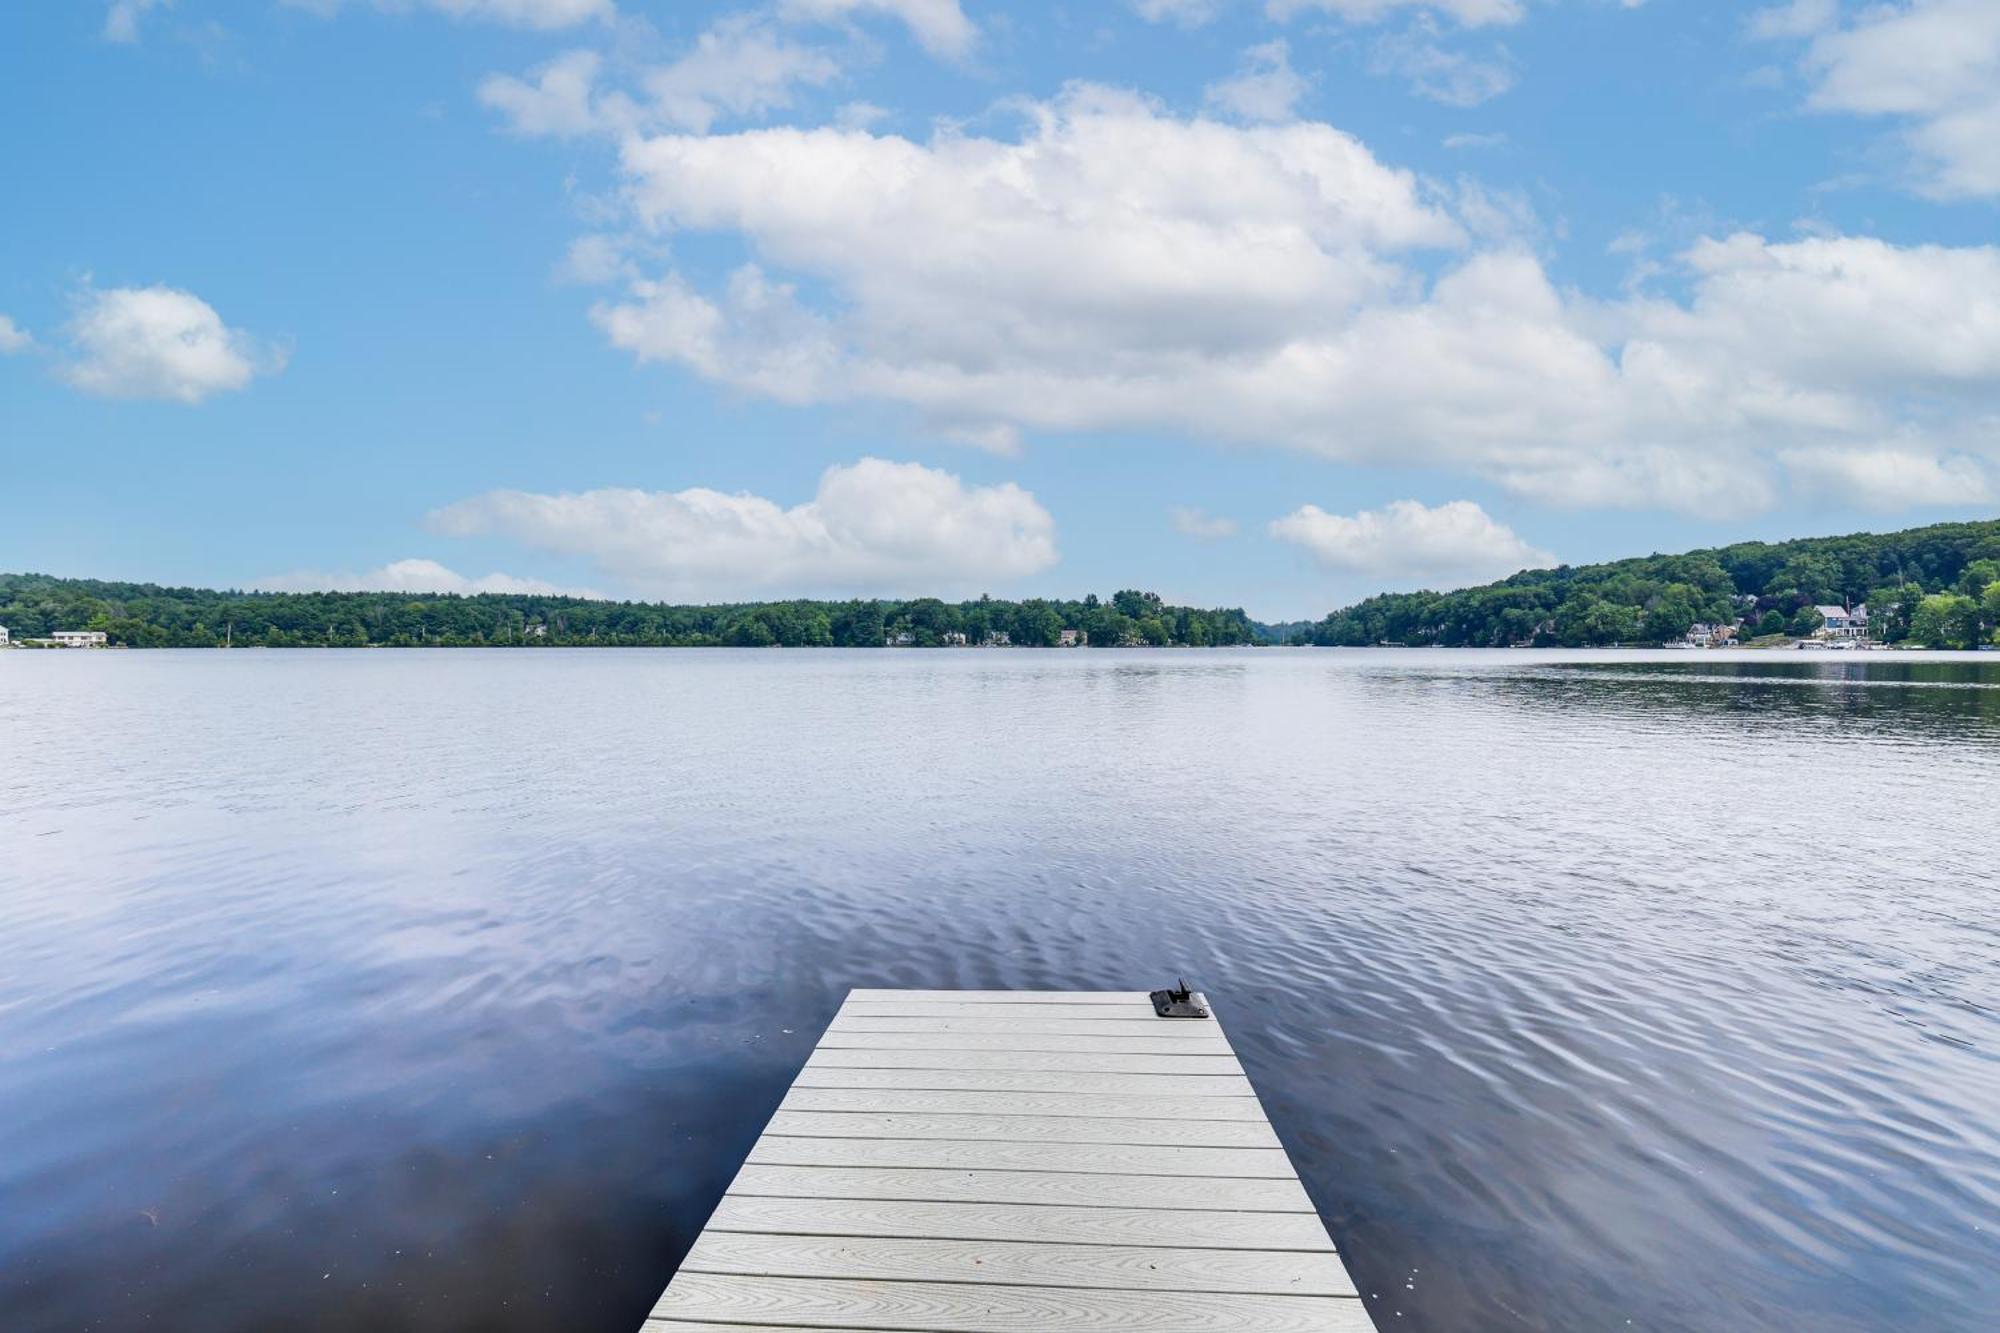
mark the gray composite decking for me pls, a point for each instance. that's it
(1015, 1162)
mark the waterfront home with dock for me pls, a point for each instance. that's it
(1841, 623)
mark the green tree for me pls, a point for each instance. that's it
(1978, 577)
(858, 625)
(1670, 617)
(1943, 619)
(1889, 610)
(749, 631)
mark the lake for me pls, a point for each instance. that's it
(445, 990)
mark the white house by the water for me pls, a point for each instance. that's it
(1841, 623)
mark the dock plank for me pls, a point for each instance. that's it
(1089, 1158)
(1140, 1012)
(1149, 1027)
(948, 1307)
(1008, 1162)
(1081, 1062)
(1021, 1264)
(1062, 1043)
(1063, 1187)
(1004, 996)
(1011, 1081)
(1053, 1224)
(1024, 1129)
(1052, 1106)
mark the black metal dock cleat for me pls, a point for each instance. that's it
(1182, 1003)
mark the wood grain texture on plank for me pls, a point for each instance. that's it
(1081, 1062)
(1024, 1129)
(1089, 1158)
(1138, 1043)
(945, 1307)
(1020, 1263)
(1048, 1105)
(1023, 1222)
(1008, 996)
(1161, 1029)
(1247, 1194)
(1140, 1012)
(1026, 1081)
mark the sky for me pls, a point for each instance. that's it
(1259, 303)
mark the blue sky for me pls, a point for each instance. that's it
(1270, 305)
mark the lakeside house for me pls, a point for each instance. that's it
(953, 639)
(997, 638)
(903, 640)
(1841, 623)
(72, 638)
(1072, 638)
(5, 642)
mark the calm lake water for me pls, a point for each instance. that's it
(445, 991)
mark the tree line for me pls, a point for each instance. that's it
(1938, 586)
(144, 615)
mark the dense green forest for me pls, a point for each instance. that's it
(1938, 586)
(142, 615)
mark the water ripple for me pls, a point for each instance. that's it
(446, 990)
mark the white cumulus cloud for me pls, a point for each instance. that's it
(743, 66)
(872, 527)
(13, 338)
(559, 101)
(1115, 267)
(1200, 524)
(738, 67)
(121, 18)
(159, 342)
(1451, 544)
(1888, 478)
(1043, 282)
(1186, 13)
(1933, 65)
(412, 576)
(1265, 86)
(1440, 72)
(940, 26)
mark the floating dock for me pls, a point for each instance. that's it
(1015, 1162)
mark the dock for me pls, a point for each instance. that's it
(1015, 1162)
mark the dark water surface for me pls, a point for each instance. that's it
(444, 991)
